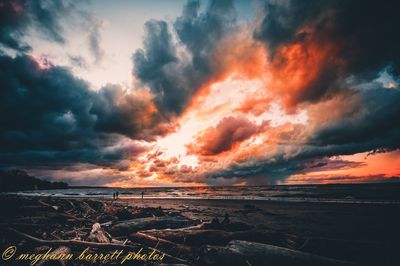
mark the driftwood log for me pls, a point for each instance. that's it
(162, 244)
(239, 252)
(54, 207)
(199, 237)
(79, 243)
(72, 242)
(60, 250)
(98, 235)
(163, 222)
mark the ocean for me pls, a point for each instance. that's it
(380, 193)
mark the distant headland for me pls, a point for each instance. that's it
(19, 180)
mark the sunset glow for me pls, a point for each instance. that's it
(207, 93)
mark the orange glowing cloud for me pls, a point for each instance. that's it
(254, 105)
(235, 55)
(256, 108)
(376, 167)
(229, 132)
(297, 69)
(238, 53)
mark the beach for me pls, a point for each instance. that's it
(364, 233)
(360, 233)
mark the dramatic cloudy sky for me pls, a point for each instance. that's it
(175, 93)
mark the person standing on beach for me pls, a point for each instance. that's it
(116, 194)
(142, 194)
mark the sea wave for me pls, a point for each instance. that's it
(356, 194)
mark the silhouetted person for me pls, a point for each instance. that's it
(226, 219)
(117, 194)
(142, 194)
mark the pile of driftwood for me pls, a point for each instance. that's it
(72, 225)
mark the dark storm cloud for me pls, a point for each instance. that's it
(17, 16)
(46, 14)
(174, 78)
(271, 171)
(81, 175)
(201, 31)
(150, 65)
(363, 35)
(133, 115)
(375, 127)
(13, 21)
(48, 116)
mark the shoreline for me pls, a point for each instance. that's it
(270, 200)
(378, 194)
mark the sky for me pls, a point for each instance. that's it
(192, 93)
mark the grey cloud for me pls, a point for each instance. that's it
(94, 39)
(17, 16)
(174, 78)
(78, 61)
(49, 117)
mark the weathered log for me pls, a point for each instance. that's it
(194, 237)
(239, 252)
(98, 235)
(71, 204)
(86, 207)
(226, 225)
(54, 207)
(217, 255)
(71, 242)
(80, 243)
(134, 225)
(161, 244)
(107, 224)
(59, 251)
(75, 218)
